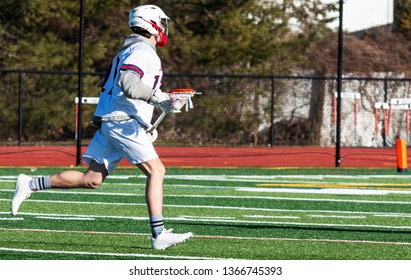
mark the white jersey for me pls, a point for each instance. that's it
(138, 55)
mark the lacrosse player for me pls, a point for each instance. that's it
(130, 92)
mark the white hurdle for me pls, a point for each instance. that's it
(346, 95)
(84, 100)
(384, 107)
(402, 104)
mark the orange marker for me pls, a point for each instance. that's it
(401, 147)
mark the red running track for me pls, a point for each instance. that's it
(215, 157)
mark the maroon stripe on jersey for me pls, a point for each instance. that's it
(132, 68)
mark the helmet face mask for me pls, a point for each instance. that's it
(152, 19)
(164, 24)
(163, 33)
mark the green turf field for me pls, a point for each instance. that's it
(234, 213)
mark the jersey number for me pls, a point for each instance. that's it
(156, 80)
(112, 74)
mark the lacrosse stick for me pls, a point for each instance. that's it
(178, 97)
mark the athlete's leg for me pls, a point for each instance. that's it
(131, 140)
(161, 237)
(155, 171)
(92, 178)
(25, 185)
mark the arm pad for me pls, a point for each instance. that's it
(133, 87)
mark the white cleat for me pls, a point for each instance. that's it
(167, 239)
(21, 193)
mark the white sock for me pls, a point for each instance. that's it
(157, 225)
(40, 183)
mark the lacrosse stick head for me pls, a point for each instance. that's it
(189, 91)
(178, 98)
(182, 96)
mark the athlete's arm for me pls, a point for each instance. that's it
(132, 86)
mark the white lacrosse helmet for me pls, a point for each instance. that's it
(152, 19)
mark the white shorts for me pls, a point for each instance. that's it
(115, 140)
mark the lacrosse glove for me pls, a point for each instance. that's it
(170, 103)
(161, 100)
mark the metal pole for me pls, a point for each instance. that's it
(80, 82)
(339, 86)
(385, 133)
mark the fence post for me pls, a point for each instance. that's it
(339, 85)
(80, 82)
(385, 133)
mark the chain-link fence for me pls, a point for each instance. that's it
(38, 107)
(234, 110)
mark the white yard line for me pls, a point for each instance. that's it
(271, 217)
(106, 254)
(79, 202)
(76, 216)
(205, 217)
(11, 219)
(47, 217)
(337, 217)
